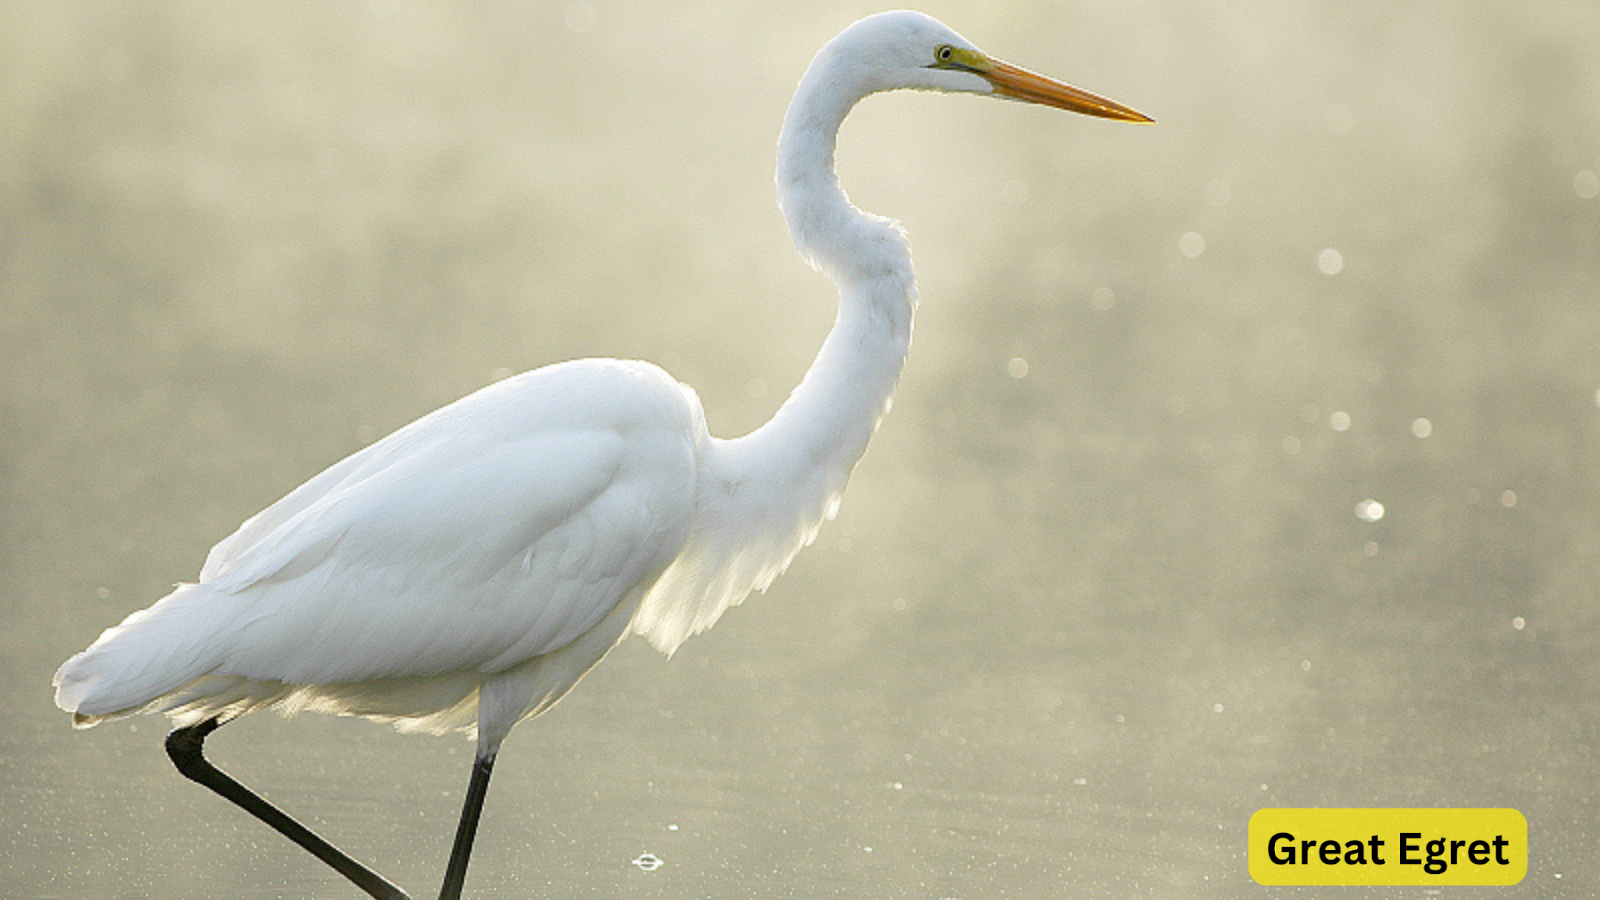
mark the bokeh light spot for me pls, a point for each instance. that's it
(1586, 184)
(1192, 244)
(1369, 510)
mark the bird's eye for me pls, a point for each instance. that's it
(944, 53)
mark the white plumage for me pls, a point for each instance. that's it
(464, 572)
(494, 532)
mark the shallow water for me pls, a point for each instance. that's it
(1111, 577)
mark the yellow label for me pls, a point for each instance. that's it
(1388, 846)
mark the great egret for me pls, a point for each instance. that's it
(464, 572)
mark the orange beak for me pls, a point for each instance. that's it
(1017, 83)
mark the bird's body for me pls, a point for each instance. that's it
(541, 504)
(465, 571)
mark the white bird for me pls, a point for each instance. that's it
(464, 572)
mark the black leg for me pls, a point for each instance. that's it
(184, 745)
(456, 872)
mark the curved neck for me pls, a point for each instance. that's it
(831, 234)
(763, 496)
(847, 390)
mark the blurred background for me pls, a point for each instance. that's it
(1248, 460)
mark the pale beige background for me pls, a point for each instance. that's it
(1098, 591)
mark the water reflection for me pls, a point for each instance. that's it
(241, 242)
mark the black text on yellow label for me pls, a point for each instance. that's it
(1388, 846)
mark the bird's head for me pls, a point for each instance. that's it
(906, 49)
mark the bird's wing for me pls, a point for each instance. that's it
(497, 529)
(265, 527)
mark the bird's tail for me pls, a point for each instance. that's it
(151, 654)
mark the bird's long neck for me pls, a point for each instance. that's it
(762, 497)
(823, 428)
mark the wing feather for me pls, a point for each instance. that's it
(482, 544)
